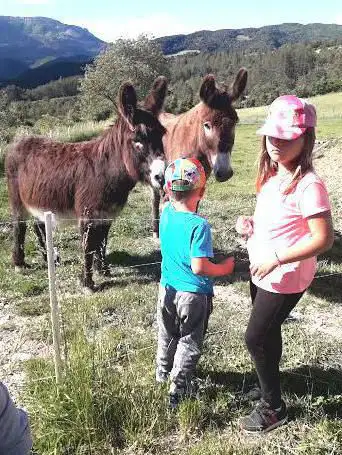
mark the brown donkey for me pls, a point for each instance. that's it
(89, 181)
(206, 131)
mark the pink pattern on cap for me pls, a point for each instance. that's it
(288, 118)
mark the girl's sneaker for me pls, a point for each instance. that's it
(263, 418)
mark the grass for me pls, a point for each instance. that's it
(108, 401)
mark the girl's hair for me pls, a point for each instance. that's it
(267, 167)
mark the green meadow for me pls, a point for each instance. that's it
(108, 401)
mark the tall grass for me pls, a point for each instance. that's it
(107, 398)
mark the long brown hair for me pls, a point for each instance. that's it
(267, 167)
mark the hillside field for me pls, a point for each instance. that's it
(108, 402)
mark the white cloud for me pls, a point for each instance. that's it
(155, 25)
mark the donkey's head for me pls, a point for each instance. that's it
(148, 160)
(218, 118)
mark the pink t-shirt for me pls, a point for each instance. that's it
(280, 221)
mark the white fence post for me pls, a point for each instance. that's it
(56, 334)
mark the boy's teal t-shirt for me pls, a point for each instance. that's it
(184, 235)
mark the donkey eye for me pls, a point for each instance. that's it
(207, 126)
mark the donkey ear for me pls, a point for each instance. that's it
(208, 88)
(154, 101)
(239, 85)
(127, 100)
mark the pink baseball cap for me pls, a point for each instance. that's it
(288, 118)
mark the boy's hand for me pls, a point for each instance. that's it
(203, 266)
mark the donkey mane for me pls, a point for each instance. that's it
(116, 140)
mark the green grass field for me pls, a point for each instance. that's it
(108, 402)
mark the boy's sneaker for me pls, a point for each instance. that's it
(161, 375)
(176, 395)
(263, 418)
(174, 399)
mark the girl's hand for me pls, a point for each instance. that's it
(262, 270)
(244, 225)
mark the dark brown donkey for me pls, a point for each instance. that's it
(89, 181)
(206, 131)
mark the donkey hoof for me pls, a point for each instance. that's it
(56, 257)
(21, 268)
(87, 284)
(88, 291)
(106, 273)
(103, 271)
(156, 239)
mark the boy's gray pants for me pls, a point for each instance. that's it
(15, 437)
(182, 323)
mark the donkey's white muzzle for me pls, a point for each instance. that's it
(157, 170)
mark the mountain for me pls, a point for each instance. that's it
(31, 39)
(268, 37)
(51, 71)
(10, 68)
(35, 50)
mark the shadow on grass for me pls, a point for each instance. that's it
(330, 287)
(142, 269)
(312, 389)
(150, 272)
(241, 271)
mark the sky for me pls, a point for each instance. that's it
(112, 19)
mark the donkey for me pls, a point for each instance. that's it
(206, 131)
(90, 180)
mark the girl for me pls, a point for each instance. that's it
(290, 227)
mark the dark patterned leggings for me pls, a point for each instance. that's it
(263, 337)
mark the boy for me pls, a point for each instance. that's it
(185, 296)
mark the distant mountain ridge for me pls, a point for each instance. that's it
(267, 37)
(35, 50)
(25, 40)
(31, 38)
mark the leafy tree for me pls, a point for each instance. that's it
(138, 60)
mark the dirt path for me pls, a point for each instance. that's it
(18, 344)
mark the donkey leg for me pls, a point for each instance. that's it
(90, 240)
(100, 263)
(19, 216)
(39, 229)
(155, 212)
(18, 254)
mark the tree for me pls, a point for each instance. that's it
(139, 61)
